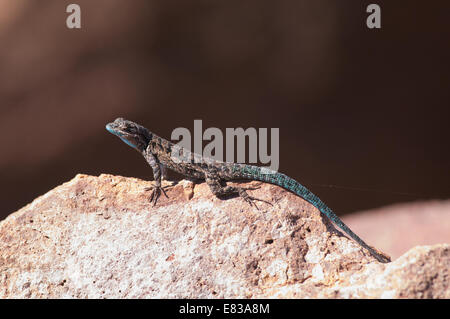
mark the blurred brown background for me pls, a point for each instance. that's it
(366, 109)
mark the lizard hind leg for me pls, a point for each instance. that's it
(220, 190)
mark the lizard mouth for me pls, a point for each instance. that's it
(111, 129)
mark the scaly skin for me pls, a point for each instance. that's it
(161, 154)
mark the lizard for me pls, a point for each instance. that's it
(162, 154)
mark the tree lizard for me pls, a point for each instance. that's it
(161, 154)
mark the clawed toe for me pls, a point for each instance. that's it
(250, 199)
(156, 193)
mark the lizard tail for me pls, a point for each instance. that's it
(265, 175)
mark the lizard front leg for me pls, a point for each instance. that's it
(156, 167)
(219, 190)
(164, 174)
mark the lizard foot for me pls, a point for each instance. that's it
(250, 199)
(156, 193)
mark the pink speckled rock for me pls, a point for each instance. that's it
(98, 237)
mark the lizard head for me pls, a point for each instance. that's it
(131, 133)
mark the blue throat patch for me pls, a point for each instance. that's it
(128, 142)
(111, 130)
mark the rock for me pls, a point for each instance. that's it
(99, 237)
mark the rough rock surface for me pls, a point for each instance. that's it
(98, 237)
